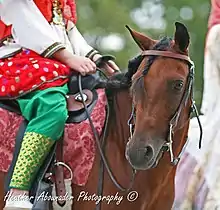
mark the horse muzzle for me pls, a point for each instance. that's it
(143, 156)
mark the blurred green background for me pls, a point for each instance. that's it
(102, 23)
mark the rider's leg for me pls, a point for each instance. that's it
(46, 112)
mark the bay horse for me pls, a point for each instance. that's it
(155, 98)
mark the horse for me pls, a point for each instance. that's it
(145, 131)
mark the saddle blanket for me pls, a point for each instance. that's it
(79, 143)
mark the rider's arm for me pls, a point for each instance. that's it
(30, 28)
(79, 44)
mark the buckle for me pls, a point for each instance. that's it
(66, 166)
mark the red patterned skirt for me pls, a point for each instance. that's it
(28, 71)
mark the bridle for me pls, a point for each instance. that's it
(173, 123)
(188, 94)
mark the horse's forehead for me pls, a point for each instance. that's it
(167, 68)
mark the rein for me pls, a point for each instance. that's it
(104, 161)
(174, 120)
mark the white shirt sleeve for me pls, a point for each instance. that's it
(79, 44)
(29, 27)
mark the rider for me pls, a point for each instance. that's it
(39, 47)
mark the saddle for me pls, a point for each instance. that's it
(53, 164)
(75, 107)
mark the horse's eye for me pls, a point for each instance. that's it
(178, 85)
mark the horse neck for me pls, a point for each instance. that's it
(117, 137)
(118, 128)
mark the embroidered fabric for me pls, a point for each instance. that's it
(79, 142)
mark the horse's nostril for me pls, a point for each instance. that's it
(149, 153)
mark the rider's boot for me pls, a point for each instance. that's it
(34, 149)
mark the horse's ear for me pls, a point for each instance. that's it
(143, 41)
(181, 38)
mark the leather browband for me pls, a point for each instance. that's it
(167, 54)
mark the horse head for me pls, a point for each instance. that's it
(162, 98)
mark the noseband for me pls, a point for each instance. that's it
(188, 93)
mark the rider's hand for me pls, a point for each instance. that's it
(77, 63)
(109, 66)
(82, 65)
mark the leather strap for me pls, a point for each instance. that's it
(167, 54)
(59, 173)
(18, 142)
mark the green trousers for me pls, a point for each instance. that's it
(46, 111)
